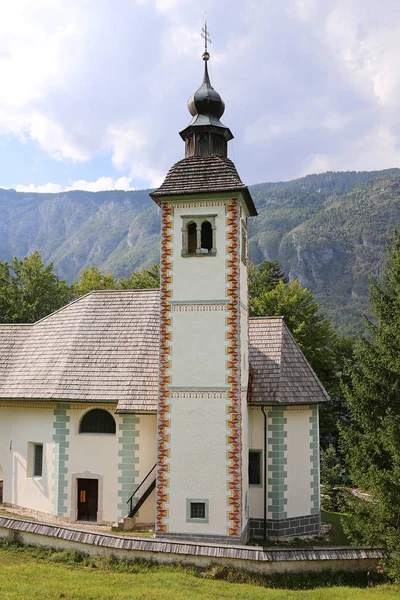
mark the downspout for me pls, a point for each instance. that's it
(265, 472)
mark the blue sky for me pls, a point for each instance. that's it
(94, 91)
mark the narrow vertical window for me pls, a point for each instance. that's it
(192, 238)
(244, 244)
(255, 467)
(206, 236)
(37, 460)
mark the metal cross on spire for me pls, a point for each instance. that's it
(205, 35)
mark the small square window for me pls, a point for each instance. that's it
(37, 460)
(255, 467)
(196, 510)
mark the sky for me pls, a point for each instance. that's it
(94, 92)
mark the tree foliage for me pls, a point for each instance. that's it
(270, 294)
(371, 440)
(143, 279)
(264, 278)
(311, 330)
(29, 290)
(332, 475)
(92, 279)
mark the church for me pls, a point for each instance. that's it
(169, 408)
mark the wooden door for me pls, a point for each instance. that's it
(88, 499)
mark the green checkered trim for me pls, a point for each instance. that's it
(128, 460)
(60, 460)
(314, 471)
(277, 470)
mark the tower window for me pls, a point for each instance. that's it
(97, 421)
(192, 238)
(206, 236)
(196, 510)
(244, 243)
(198, 235)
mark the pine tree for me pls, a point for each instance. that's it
(371, 441)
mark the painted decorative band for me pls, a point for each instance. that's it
(233, 363)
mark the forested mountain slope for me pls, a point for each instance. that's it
(329, 231)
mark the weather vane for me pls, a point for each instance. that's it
(206, 36)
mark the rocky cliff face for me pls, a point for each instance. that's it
(328, 231)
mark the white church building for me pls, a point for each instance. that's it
(169, 407)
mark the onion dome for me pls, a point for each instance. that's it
(206, 101)
(206, 135)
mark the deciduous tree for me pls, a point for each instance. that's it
(92, 279)
(142, 279)
(29, 290)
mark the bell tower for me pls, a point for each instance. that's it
(202, 448)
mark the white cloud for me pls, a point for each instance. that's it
(302, 79)
(302, 9)
(366, 39)
(319, 163)
(47, 188)
(101, 184)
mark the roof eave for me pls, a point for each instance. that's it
(160, 197)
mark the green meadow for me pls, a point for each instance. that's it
(44, 574)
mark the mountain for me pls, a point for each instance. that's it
(329, 231)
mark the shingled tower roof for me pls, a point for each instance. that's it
(206, 167)
(201, 174)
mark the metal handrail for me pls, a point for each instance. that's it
(138, 487)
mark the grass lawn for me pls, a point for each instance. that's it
(29, 574)
(337, 537)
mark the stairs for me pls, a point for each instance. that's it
(139, 497)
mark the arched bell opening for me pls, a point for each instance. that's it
(192, 238)
(206, 236)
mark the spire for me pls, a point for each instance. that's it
(206, 135)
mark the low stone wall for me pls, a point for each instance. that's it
(252, 558)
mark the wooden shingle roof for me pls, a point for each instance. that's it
(200, 174)
(280, 373)
(104, 347)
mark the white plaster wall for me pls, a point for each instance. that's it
(245, 461)
(298, 463)
(93, 454)
(147, 458)
(198, 457)
(199, 278)
(244, 341)
(256, 442)
(198, 349)
(18, 426)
